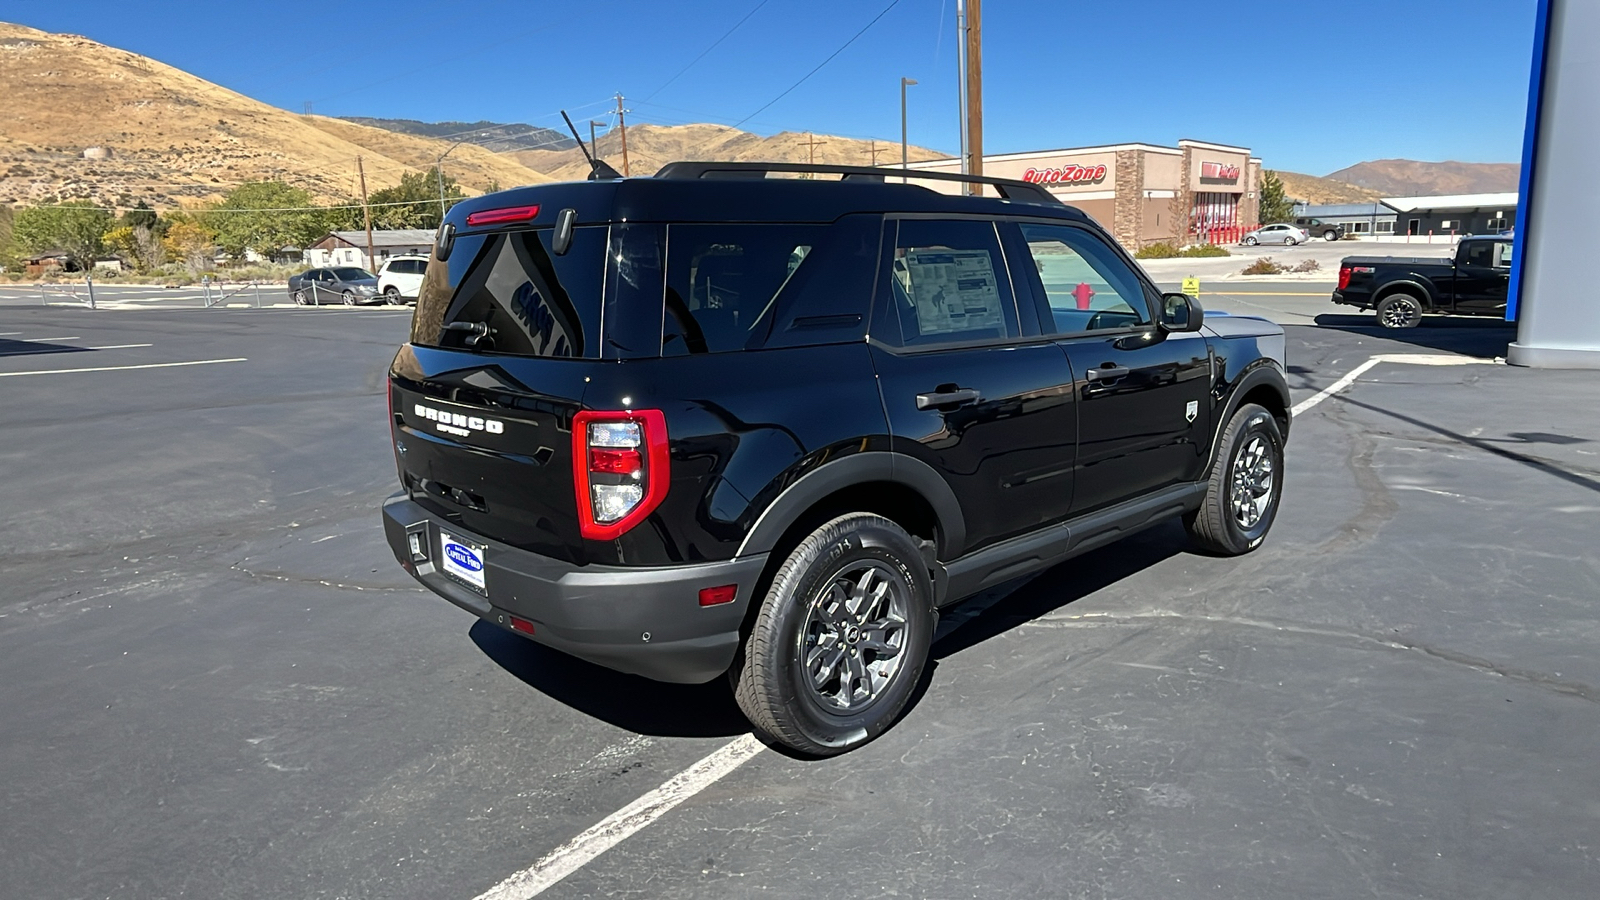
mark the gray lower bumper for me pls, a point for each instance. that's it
(646, 621)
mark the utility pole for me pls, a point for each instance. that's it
(875, 151)
(903, 83)
(975, 89)
(366, 212)
(622, 123)
(811, 148)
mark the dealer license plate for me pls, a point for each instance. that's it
(462, 561)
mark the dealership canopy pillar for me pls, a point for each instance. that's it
(1553, 294)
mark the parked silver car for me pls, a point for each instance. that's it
(1287, 235)
(339, 284)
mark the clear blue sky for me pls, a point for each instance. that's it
(1310, 86)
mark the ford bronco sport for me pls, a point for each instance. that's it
(717, 422)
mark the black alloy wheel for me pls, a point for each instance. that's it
(1245, 485)
(841, 638)
(1400, 311)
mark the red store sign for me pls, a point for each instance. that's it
(1065, 175)
(1219, 172)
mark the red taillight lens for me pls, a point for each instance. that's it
(502, 216)
(713, 596)
(1344, 277)
(620, 469)
(615, 462)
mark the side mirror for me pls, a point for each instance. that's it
(1180, 312)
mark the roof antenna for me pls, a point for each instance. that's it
(597, 167)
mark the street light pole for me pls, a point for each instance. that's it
(904, 161)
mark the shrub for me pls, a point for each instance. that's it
(1161, 250)
(1203, 251)
(1309, 265)
(1263, 266)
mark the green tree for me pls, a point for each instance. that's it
(192, 241)
(10, 253)
(265, 216)
(418, 196)
(143, 215)
(1275, 205)
(75, 227)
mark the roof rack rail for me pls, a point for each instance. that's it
(1009, 188)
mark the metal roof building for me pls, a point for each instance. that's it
(1454, 213)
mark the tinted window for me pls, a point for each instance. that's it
(635, 281)
(946, 283)
(825, 300)
(536, 303)
(351, 274)
(1478, 253)
(1086, 285)
(407, 267)
(722, 280)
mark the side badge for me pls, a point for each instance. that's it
(1192, 410)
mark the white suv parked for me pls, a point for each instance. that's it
(400, 278)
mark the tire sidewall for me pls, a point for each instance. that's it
(1397, 299)
(1257, 422)
(867, 540)
(1251, 241)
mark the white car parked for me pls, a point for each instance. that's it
(1287, 235)
(401, 278)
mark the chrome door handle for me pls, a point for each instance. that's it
(957, 397)
(1107, 373)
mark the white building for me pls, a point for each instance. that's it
(349, 248)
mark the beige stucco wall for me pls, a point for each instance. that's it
(1163, 171)
(1198, 156)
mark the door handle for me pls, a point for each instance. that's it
(947, 398)
(1107, 373)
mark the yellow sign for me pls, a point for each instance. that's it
(1191, 286)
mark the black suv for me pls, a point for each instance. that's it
(716, 422)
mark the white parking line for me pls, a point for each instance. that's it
(615, 828)
(194, 362)
(70, 337)
(1406, 359)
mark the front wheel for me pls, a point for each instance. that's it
(300, 298)
(1330, 235)
(841, 638)
(1251, 241)
(349, 298)
(1400, 311)
(1246, 482)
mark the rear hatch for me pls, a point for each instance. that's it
(505, 336)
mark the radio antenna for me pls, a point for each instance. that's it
(597, 168)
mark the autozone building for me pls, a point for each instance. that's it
(1143, 193)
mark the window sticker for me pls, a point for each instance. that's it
(954, 290)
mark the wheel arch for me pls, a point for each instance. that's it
(1263, 385)
(1421, 291)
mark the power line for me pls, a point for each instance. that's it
(842, 48)
(703, 53)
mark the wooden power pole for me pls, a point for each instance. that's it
(366, 213)
(975, 88)
(622, 123)
(875, 151)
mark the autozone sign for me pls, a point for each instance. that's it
(1218, 172)
(1066, 175)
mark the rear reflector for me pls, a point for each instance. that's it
(717, 595)
(502, 216)
(521, 624)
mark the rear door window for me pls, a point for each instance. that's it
(534, 302)
(947, 284)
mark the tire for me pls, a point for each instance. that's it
(1289, 242)
(391, 295)
(299, 298)
(1400, 311)
(1330, 235)
(1251, 241)
(349, 298)
(807, 612)
(1245, 486)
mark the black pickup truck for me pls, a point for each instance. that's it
(1402, 290)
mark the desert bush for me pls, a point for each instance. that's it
(1160, 250)
(1263, 266)
(1309, 265)
(1203, 251)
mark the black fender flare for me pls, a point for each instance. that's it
(1262, 374)
(860, 468)
(1423, 290)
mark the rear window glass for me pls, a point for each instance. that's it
(534, 302)
(722, 280)
(407, 267)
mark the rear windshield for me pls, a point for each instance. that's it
(619, 292)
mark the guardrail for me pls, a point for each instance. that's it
(70, 290)
(222, 296)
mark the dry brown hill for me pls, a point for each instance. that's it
(1311, 189)
(652, 146)
(1411, 178)
(171, 137)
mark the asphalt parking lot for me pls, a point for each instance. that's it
(219, 684)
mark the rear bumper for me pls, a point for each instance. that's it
(645, 621)
(1357, 302)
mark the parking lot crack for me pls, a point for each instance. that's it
(1547, 681)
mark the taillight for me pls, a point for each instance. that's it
(1344, 277)
(503, 216)
(619, 469)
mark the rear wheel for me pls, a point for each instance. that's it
(1245, 485)
(1290, 242)
(1400, 311)
(841, 638)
